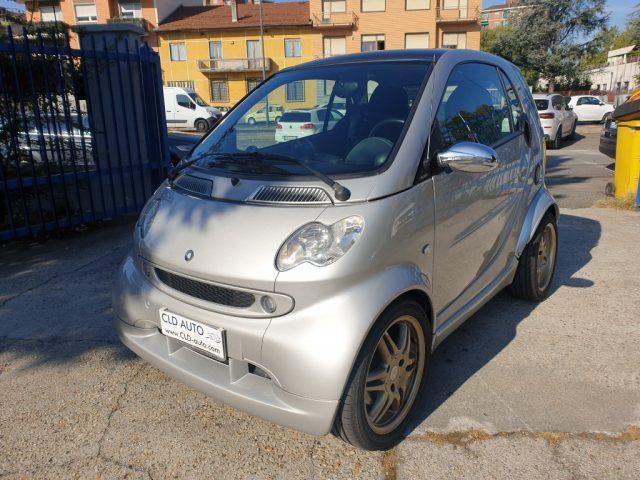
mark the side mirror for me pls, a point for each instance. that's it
(469, 157)
(602, 104)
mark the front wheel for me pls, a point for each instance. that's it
(386, 379)
(201, 125)
(537, 263)
(251, 121)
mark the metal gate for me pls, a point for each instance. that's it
(82, 131)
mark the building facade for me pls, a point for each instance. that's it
(497, 16)
(349, 26)
(145, 13)
(620, 74)
(218, 53)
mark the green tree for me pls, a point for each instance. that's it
(549, 38)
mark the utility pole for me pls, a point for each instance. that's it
(263, 60)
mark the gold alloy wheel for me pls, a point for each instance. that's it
(546, 256)
(394, 374)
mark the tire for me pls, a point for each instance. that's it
(557, 142)
(355, 420)
(251, 121)
(526, 284)
(572, 135)
(201, 125)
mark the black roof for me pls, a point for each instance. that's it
(431, 54)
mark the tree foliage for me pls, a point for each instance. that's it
(549, 38)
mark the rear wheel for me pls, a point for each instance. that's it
(557, 142)
(251, 121)
(537, 263)
(386, 379)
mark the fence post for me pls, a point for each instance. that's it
(118, 99)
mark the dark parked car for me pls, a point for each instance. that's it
(608, 137)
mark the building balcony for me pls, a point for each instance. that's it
(458, 15)
(210, 65)
(335, 20)
(140, 22)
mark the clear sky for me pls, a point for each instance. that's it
(619, 9)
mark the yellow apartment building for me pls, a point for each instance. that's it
(349, 26)
(217, 52)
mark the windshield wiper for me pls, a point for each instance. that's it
(341, 192)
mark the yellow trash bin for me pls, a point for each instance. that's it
(627, 169)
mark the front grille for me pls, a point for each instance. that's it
(206, 291)
(196, 185)
(284, 194)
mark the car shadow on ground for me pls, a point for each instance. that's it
(494, 326)
(567, 142)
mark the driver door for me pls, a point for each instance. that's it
(473, 209)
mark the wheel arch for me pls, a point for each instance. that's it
(542, 203)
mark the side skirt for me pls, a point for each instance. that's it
(486, 294)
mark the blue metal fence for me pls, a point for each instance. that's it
(82, 131)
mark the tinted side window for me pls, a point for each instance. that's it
(474, 107)
(557, 102)
(517, 112)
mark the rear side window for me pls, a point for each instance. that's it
(296, 117)
(517, 112)
(474, 108)
(558, 102)
(542, 104)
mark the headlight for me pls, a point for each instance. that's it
(319, 244)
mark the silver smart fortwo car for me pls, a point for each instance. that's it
(306, 279)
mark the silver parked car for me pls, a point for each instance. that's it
(308, 281)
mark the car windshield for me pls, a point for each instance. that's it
(542, 103)
(199, 101)
(338, 119)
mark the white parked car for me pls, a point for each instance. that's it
(557, 118)
(302, 123)
(590, 108)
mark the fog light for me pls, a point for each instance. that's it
(268, 304)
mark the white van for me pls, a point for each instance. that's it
(186, 109)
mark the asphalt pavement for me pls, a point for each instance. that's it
(547, 391)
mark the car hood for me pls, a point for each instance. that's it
(232, 242)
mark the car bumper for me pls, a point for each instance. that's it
(230, 383)
(136, 305)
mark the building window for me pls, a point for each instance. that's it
(418, 4)
(252, 83)
(181, 83)
(130, 10)
(371, 43)
(372, 5)
(178, 52)
(416, 40)
(454, 40)
(295, 91)
(253, 49)
(86, 12)
(454, 4)
(51, 14)
(334, 6)
(215, 50)
(292, 47)
(219, 90)
(335, 46)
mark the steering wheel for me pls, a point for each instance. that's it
(378, 131)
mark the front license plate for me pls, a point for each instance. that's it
(289, 137)
(206, 338)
